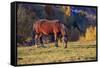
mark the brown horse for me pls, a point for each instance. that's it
(46, 27)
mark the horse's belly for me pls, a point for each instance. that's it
(47, 31)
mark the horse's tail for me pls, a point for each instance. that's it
(33, 33)
(33, 27)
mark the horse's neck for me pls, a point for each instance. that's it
(65, 28)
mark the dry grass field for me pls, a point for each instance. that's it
(76, 51)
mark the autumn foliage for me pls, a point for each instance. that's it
(90, 34)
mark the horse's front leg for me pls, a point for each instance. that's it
(56, 40)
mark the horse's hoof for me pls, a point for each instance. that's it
(56, 46)
(36, 46)
(44, 46)
(65, 47)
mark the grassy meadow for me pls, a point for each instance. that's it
(82, 19)
(76, 51)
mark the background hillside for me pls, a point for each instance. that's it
(27, 14)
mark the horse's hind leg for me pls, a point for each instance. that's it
(56, 40)
(36, 40)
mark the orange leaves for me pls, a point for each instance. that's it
(90, 34)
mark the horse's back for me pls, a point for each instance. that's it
(47, 26)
